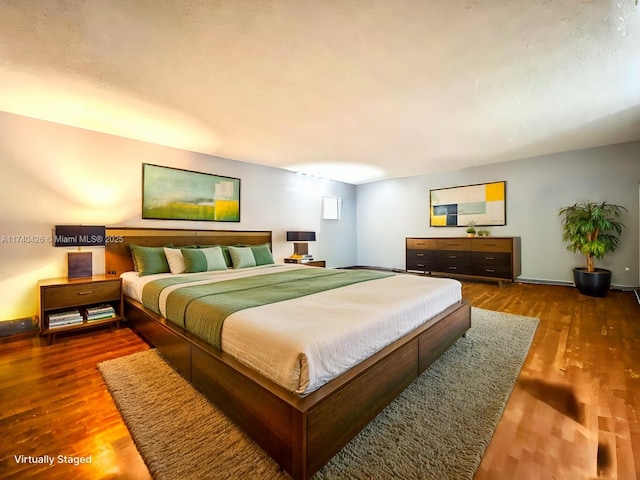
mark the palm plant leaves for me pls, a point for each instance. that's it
(592, 229)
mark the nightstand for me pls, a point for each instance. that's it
(69, 304)
(310, 263)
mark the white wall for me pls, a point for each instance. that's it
(389, 211)
(54, 174)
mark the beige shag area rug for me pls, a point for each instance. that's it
(438, 428)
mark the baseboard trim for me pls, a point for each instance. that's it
(536, 281)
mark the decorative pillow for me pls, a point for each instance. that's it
(225, 253)
(262, 254)
(242, 257)
(175, 260)
(149, 260)
(203, 259)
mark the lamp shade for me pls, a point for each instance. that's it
(301, 236)
(79, 236)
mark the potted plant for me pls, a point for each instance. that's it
(471, 228)
(592, 229)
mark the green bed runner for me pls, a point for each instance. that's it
(202, 309)
(152, 290)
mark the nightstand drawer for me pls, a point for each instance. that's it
(72, 295)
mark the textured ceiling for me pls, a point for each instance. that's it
(391, 88)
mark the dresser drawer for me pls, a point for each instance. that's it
(421, 265)
(454, 256)
(421, 255)
(454, 261)
(453, 244)
(492, 245)
(421, 244)
(491, 258)
(497, 271)
(73, 295)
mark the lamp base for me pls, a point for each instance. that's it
(79, 265)
(300, 250)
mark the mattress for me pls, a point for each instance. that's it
(304, 342)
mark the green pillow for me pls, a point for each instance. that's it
(203, 259)
(149, 260)
(242, 257)
(225, 253)
(262, 254)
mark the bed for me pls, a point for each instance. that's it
(300, 421)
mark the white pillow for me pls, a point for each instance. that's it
(175, 260)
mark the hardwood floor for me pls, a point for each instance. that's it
(53, 402)
(573, 414)
(574, 411)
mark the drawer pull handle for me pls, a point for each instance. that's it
(420, 255)
(453, 256)
(489, 270)
(88, 292)
(453, 268)
(421, 264)
(489, 258)
(419, 243)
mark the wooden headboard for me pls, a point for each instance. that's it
(118, 255)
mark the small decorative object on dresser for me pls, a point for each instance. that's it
(72, 304)
(471, 229)
(496, 258)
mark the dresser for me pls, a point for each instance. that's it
(494, 258)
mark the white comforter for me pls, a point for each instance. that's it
(303, 343)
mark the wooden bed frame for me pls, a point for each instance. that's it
(300, 433)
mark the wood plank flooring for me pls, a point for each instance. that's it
(573, 413)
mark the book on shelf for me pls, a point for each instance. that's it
(100, 312)
(100, 309)
(93, 318)
(299, 259)
(65, 315)
(65, 322)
